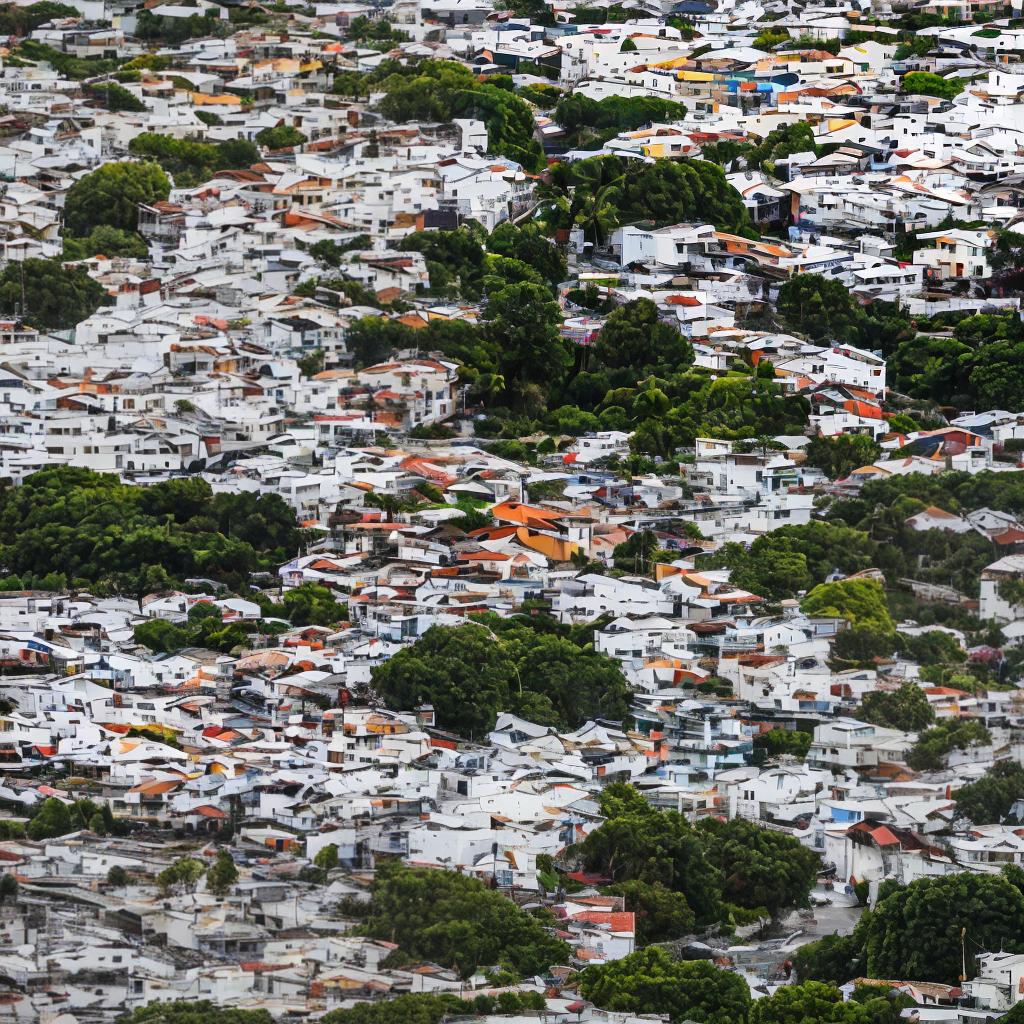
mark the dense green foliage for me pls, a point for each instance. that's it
(604, 191)
(906, 708)
(715, 866)
(180, 876)
(221, 874)
(860, 601)
(661, 913)
(190, 162)
(776, 742)
(834, 959)
(976, 368)
(434, 1008)
(592, 122)
(791, 559)
(92, 530)
(106, 241)
(456, 921)
(282, 136)
(309, 603)
(435, 91)
(66, 64)
(824, 309)
(634, 337)
(934, 744)
(115, 97)
(375, 32)
(650, 981)
(50, 295)
(110, 196)
(839, 456)
(469, 678)
(53, 818)
(194, 1011)
(914, 932)
(760, 868)
(822, 1003)
(156, 28)
(529, 246)
(924, 83)
(989, 800)
(20, 21)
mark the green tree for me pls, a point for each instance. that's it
(914, 932)
(924, 83)
(839, 456)
(434, 1008)
(115, 97)
(809, 1001)
(161, 636)
(638, 842)
(111, 194)
(860, 601)
(783, 562)
(929, 753)
(53, 819)
(8, 887)
(820, 307)
(192, 1011)
(529, 246)
(20, 21)
(768, 39)
(182, 875)
(468, 678)
(456, 921)
(283, 136)
(780, 143)
(222, 874)
(661, 913)
(989, 800)
(650, 981)
(191, 161)
(50, 295)
(760, 868)
(312, 604)
(634, 338)
(373, 339)
(835, 959)
(522, 322)
(639, 553)
(675, 191)
(906, 708)
(444, 90)
(454, 259)
(326, 858)
(106, 241)
(784, 741)
(117, 876)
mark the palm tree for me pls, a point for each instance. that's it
(651, 402)
(597, 214)
(389, 504)
(489, 386)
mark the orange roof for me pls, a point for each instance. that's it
(863, 409)
(155, 787)
(517, 512)
(209, 812)
(620, 921)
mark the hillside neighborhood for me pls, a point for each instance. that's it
(512, 514)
